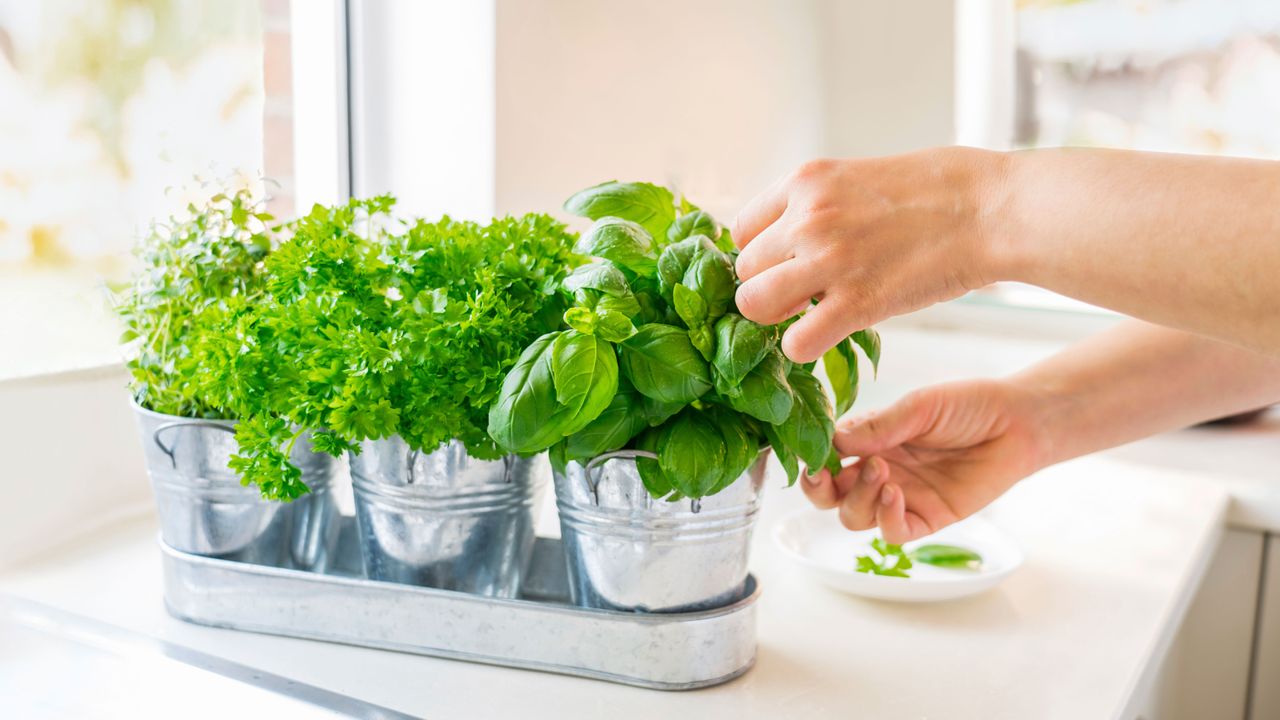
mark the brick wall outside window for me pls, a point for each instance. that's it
(277, 115)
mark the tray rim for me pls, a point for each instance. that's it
(745, 604)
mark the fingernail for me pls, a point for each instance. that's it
(886, 495)
(870, 471)
(811, 480)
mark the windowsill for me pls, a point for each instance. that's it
(57, 319)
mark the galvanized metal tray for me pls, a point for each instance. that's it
(539, 631)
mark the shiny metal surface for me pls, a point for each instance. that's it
(444, 519)
(675, 651)
(204, 509)
(628, 551)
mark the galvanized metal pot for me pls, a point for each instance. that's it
(444, 519)
(628, 551)
(205, 510)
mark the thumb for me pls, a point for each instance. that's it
(881, 430)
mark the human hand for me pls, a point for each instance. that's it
(935, 457)
(868, 238)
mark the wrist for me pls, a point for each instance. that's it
(1053, 417)
(996, 223)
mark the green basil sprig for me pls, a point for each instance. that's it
(696, 383)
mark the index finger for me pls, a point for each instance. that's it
(760, 213)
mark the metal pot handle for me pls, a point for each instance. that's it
(594, 463)
(410, 459)
(155, 434)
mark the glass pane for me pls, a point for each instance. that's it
(1191, 76)
(116, 113)
(1195, 76)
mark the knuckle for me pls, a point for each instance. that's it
(851, 521)
(750, 300)
(816, 169)
(744, 266)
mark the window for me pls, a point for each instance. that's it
(112, 110)
(1194, 76)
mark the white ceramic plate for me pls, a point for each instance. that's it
(817, 541)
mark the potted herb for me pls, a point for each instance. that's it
(197, 275)
(389, 340)
(657, 400)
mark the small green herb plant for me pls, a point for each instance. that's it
(892, 561)
(195, 273)
(653, 355)
(374, 326)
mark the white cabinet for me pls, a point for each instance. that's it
(1206, 671)
(1265, 699)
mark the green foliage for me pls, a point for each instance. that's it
(892, 561)
(696, 383)
(197, 276)
(947, 556)
(359, 325)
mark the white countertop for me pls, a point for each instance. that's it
(1114, 553)
(1116, 546)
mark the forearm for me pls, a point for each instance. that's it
(1137, 380)
(1183, 241)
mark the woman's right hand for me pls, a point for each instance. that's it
(935, 457)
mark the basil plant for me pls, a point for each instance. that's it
(652, 355)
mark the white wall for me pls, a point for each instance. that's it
(478, 106)
(716, 97)
(72, 461)
(422, 90)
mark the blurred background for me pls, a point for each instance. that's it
(116, 111)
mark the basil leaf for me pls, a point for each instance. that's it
(833, 464)
(689, 306)
(674, 262)
(624, 242)
(764, 394)
(556, 454)
(841, 366)
(657, 412)
(651, 307)
(692, 223)
(663, 364)
(703, 339)
(584, 370)
(691, 453)
(741, 446)
(740, 346)
(869, 341)
(651, 206)
(600, 303)
(601, 275)
(614, 326)
(651, 474)
(808, 429)
(724, 241)
(524, 418)
(947, 556)
(612, 429)
(786, 458)
(711, 275)
(580, 319)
